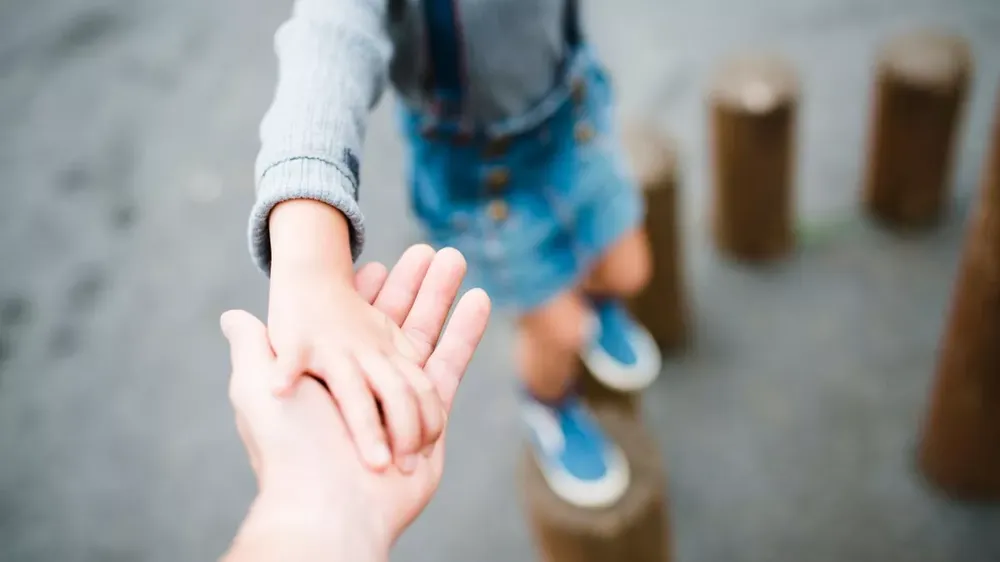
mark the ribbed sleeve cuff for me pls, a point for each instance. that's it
(302, 178)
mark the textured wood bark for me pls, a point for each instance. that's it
(960, 446)
(753, 106)
(662, 306)
(633, 530)
(920, 90)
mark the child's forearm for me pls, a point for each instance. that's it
(332, 64)
(311, 237)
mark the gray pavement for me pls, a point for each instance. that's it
(127, 132)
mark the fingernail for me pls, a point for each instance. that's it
(408, 463)
(380, 456)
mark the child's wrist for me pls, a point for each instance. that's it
(311, 237)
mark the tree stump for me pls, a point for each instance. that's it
(600, 397)
(753, 106)
(960, 448)
(921, 84)
(662, 306)
(633, 530)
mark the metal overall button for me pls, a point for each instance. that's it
(498, 210)
(497, 179)
(583, 132)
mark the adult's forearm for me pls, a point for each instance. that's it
(275, 531)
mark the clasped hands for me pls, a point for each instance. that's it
(325, 490)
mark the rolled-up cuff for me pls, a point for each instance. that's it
(302, 178)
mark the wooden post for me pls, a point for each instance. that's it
(960, 447)
(753, 106)
(633, 530)
(921, 84)
(662, 306)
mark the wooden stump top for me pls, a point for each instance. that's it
(755, 83)
(927, 58)
(645, 493)
(652, 154)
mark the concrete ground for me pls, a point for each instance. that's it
(127, 132)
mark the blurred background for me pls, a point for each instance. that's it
(127, 135)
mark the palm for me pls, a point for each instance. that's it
(311, 439)
(400, 497)
(397, 497)
(416, 296)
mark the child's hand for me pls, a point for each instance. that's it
(319, 324)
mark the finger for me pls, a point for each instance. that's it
(368, 280)
(250, 355)
(436, 295)
(354, 399)
(403, 282)
(428, 402)
(399, 408)
(249, 345)
(451, 357)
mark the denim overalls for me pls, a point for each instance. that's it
(531, 201)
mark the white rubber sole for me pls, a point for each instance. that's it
(624, 378)
(590, 495)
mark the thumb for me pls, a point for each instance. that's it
(249, 346)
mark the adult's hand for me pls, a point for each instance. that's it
(313, 488)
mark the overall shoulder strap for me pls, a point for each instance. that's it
(572, 29)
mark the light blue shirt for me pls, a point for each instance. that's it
(335, 58)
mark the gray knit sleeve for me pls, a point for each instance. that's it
(332, 64)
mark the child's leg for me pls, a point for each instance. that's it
(549, 340)
(624, 270)
(576, 458)
(622, 354)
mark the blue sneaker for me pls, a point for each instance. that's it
(622, 355)
(579, 463)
